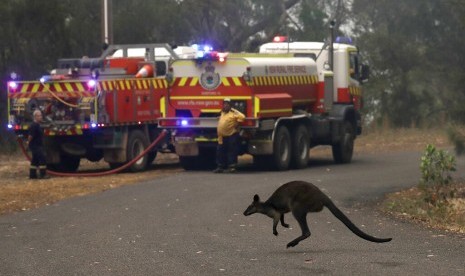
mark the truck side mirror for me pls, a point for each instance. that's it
(365, 73)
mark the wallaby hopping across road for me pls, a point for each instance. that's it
(300, 198)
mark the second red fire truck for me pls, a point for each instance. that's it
(94, 108)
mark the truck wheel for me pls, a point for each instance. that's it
(344, 149)
(282, 149)
(137, 143)
(300, 147)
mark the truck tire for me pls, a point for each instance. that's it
(281, 149)
(300, 147)
(137, 143)
(344, 149)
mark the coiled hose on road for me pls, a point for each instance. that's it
(116, 170)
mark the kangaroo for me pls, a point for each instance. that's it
(300, 198)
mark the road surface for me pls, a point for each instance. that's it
(191, 223)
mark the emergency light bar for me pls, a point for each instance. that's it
(205, 52)
(344, 40)
(202, 50)
(202, 47)
(212, 56)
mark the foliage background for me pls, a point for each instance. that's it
(414, 47)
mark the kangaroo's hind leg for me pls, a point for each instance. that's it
(283, 223)
(301, 217)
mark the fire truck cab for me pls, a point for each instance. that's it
(343, 60)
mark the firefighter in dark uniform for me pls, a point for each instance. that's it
(228, 138)
(35, 144)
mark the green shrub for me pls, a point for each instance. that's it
(436, 167)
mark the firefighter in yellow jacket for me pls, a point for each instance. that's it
(228, 138)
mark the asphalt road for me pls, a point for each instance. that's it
(191, 223)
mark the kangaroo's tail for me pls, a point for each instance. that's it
(340, 215)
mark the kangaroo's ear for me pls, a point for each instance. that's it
(256, 198)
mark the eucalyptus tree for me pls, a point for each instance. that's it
(413, 47)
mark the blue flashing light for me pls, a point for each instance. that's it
(44, 79)
(95, 74)
(202, 47)
(10, 126)
(211, 55)
(13, 76)
(202, 50)
(184, 122)
(344, 40)
(93, 125)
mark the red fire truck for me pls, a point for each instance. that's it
(94, 108)
(295, 95)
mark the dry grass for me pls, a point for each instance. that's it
(401, 139)
(415, 204)
(18, 193)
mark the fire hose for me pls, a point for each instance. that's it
(58, 98)
(116, 170)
